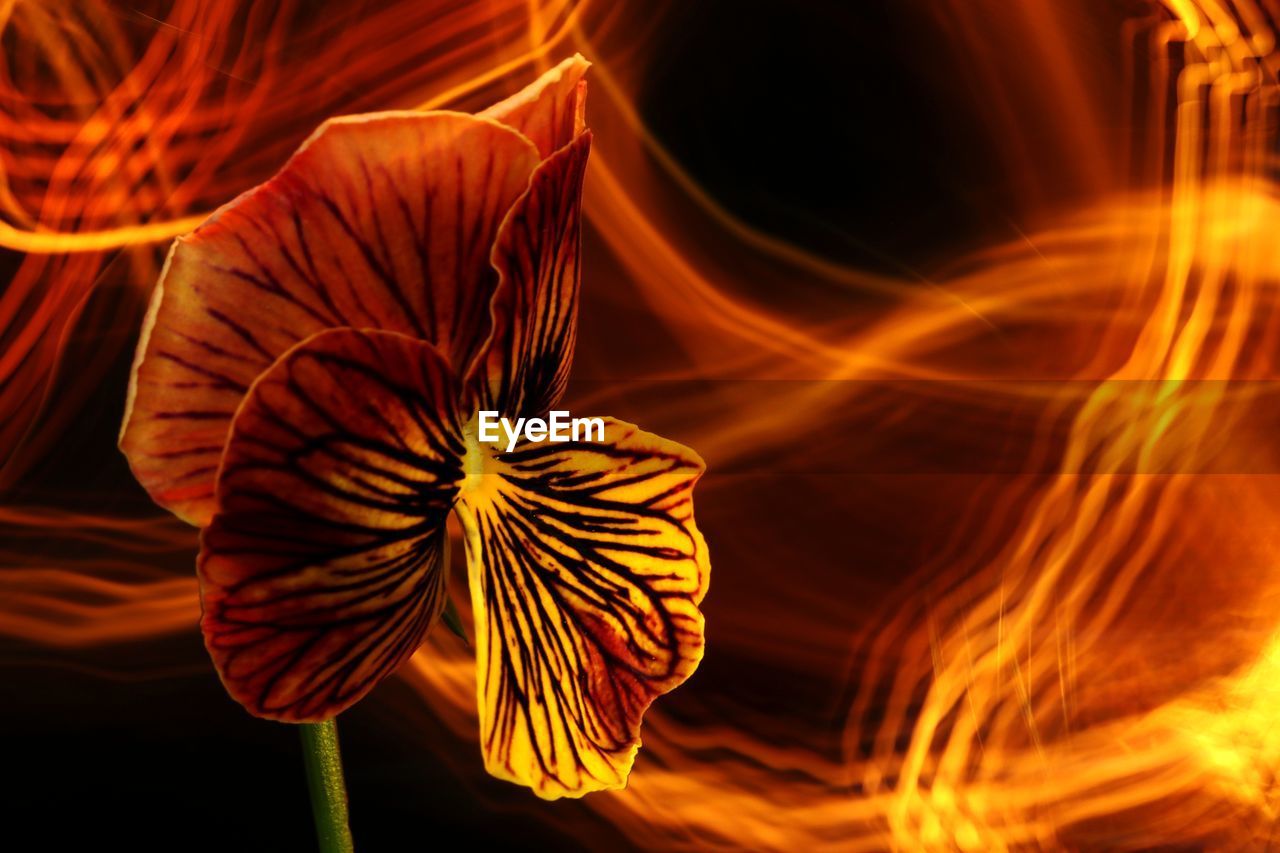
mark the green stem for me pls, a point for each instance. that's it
(328, 790)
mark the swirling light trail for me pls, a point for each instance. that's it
(1032, 684)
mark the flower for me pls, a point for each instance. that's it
(305, 391)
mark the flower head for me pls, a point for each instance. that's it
(306, 388)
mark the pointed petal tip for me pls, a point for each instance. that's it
(550, 111)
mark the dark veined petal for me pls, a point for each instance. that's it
(550, 110)
(586, 570)
(535, 308)
(382, 221)
(320, 573)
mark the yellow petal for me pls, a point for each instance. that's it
(586, 570)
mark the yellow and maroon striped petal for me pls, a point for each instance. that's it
(535, 308)
(586, 570)
(320, 573)
(550, 110)
(384, 221)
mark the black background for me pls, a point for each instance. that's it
(830, 124)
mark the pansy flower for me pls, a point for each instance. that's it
(306, 391)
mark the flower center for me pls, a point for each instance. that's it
(476, 456)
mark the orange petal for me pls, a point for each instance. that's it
(550, 110)
(586, 570)
(382, 221)
(320, 573)
(535, 309)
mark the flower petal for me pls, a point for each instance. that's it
(550, 110)
(383, 221)
(586, 570)
(320, 573)
(535, 308)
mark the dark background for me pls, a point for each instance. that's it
(830, 124)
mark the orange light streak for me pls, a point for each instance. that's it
(1084, 656)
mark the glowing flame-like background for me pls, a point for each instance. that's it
(973, 307)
